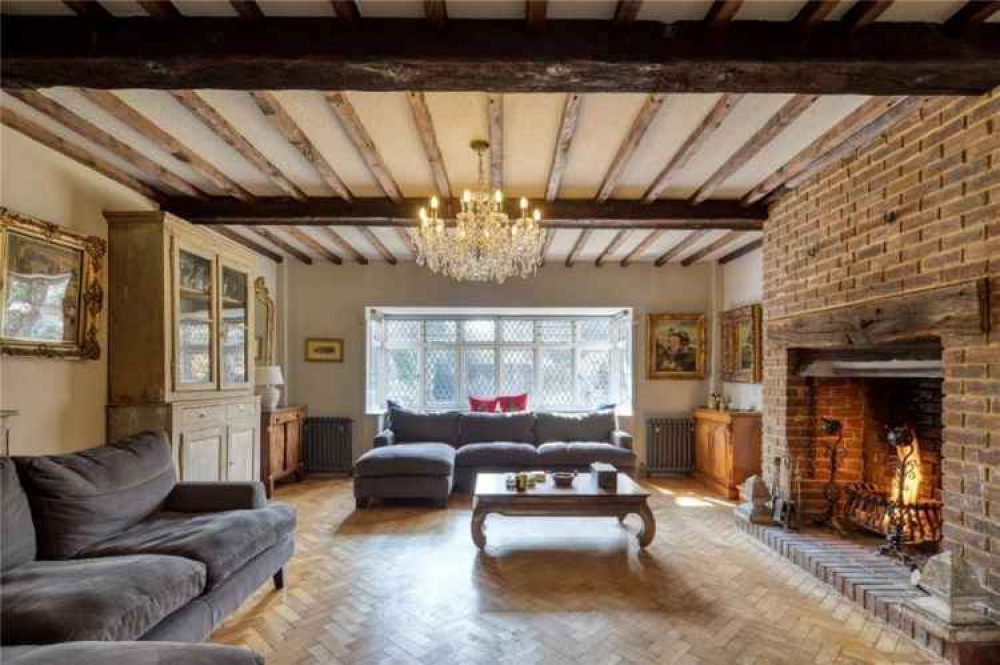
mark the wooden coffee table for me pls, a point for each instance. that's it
(583, 499)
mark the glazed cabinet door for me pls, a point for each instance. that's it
(235, 329)
(195, 324)
(202, 454)
(242, 442)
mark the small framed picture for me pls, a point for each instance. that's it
(741, 352)
(324, 350)
(675, 346)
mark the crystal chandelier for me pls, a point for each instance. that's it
(483, 244)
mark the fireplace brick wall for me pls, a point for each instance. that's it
(916, 209)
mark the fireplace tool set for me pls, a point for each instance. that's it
(785, 510)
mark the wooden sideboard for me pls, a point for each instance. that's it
(281, 444)
(727, 448)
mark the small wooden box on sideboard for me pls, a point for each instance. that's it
(727, 448)
(180, 327)
(281, 445)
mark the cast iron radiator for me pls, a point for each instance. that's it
(327, 445)
(670, 445)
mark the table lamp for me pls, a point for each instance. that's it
(269, 376)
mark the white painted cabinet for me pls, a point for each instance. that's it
(202, 454)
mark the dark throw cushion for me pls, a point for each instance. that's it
(411, 426)
(498, 454)
(222, 541)
(487, 427)
(584, 454)
(95, 599)
(414, 459)
(17, 531)
(594, 426)
(129, 653)
(81, 499)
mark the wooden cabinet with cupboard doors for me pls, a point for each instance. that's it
(727, 448)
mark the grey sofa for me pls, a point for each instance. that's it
(128, 653)
(427, 455)
(105, 546)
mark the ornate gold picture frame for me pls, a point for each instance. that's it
(741, 345)
(324, 350)
(675, 346)
(51, 289)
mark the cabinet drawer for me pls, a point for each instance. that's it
(242, 412)
(196, 416)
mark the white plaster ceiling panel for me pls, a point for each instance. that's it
(355, 238)
(459, 117)
(531, 126)
(678, 117)
(124, 8)
(281, 232)
(253, 237)
(387, 117)
(392, 242)
(194, 8)
(314, 116)
(71, 137)
(670, 11)
(747, 237)
(819, 118)
(770, 10)
(581, 9)
(314, 232)
(598, 240)
(486, 9)
(921, 11)
(605, 120)
(630, 243)
(77, 103)
(666, 240)
(292, 8)
(707, 239)
(743, 122)
(562, 242)
(391, 8)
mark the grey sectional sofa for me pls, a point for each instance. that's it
(105, 546)
(427, 455)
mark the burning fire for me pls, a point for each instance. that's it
(911, 482)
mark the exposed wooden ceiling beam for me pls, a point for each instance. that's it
(248, 9)
(379, 246)
(345, 246)
(864, 115)
(95, 134)
(560, 156)
(281, 243)
(162, 10)
(813, 13)
(742, 251)
(778, 123)
(579, 56)
(550, 235)
(641, 247)
(863, 13)
(581, 240)
(972, 12)
(123, 112)
(311, 242)
(428, 138)
(252, 245)
(612, 247)
(711, 247)
(436, 12)
(272, 109)
(692, 144)
(495, 110)
(346, 10)
(225, 131)
(627, 10)
(680, 246)
(563, 213)
(722, 12)
(629, 145)
(363, 143)
(90, 9)
(407, 239)
(536, 11)
(77, 154)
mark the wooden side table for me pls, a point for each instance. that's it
(727, 448)
(281, 445)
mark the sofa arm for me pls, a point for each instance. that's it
(621, 439)
(385, 438)
(210, 497)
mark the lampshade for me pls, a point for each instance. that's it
(269, 375)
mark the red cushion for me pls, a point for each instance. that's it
(510, 403)
(484, 405)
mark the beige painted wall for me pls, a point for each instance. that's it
(61, 402)
(329, 301)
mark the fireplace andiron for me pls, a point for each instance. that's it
(900, 440)
(835, 450)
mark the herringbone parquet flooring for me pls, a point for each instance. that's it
(404, 584)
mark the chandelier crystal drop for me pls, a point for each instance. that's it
(484, 243)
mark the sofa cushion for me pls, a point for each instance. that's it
(412, 459)
(128, 653)
(487, 427)
(593, 426)
(17, 531)
(584, 453)
(414, 427)
(82, 498)
(497, 454)
(106, 599)
(223, 541)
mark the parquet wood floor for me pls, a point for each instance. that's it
(405, 584)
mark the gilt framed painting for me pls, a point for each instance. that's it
(675, 346)
(324, 350)
(741, 345)
(50, 289)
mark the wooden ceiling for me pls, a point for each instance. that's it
(647, 131)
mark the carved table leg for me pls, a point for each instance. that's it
(648, 526)
(478, 528)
